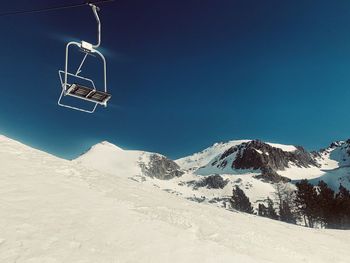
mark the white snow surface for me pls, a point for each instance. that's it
(284, 147)
(109, 158)
(53, 210)
(204, 157)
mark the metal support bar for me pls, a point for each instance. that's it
(104, 69)
(81, 64)
(66, 63)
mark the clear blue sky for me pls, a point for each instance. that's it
(183, 74)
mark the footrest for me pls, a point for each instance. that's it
(87, 93)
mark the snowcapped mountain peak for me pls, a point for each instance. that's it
(111, 159)
(106, 146)
(106, 157)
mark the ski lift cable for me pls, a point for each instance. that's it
(54, 8)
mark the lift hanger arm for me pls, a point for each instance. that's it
(95, 9)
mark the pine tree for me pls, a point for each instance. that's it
(306, 202)
(326, 204)
(262, 210)
(271, 212)
(285, 198)
(240, 201)
(342, 208)
(286, 214)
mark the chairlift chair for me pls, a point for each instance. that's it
(74, 89)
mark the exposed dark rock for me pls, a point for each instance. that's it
(229, 152)
(211, 182)
(271, 157)
(161, 167)
(335, 144)
(269, 175)
(316, 154)
(223, 164)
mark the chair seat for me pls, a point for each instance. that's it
(87, 93)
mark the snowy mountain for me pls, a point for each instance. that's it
(257, 166)
(248, 164)
(258, 156)
(109, 158)
(54, 210)
(337, 155)
(293, 162)
(335, 164)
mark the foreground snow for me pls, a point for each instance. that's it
(53, 210)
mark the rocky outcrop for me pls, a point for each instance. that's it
(161, 168)
(269, 175)
(258, 155)
(214, 181)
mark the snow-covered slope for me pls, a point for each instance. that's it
(335, 164)
(335, 156)
(202, 158)
(109, 158)
(53, 210)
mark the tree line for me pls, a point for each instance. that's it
(311, 205)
